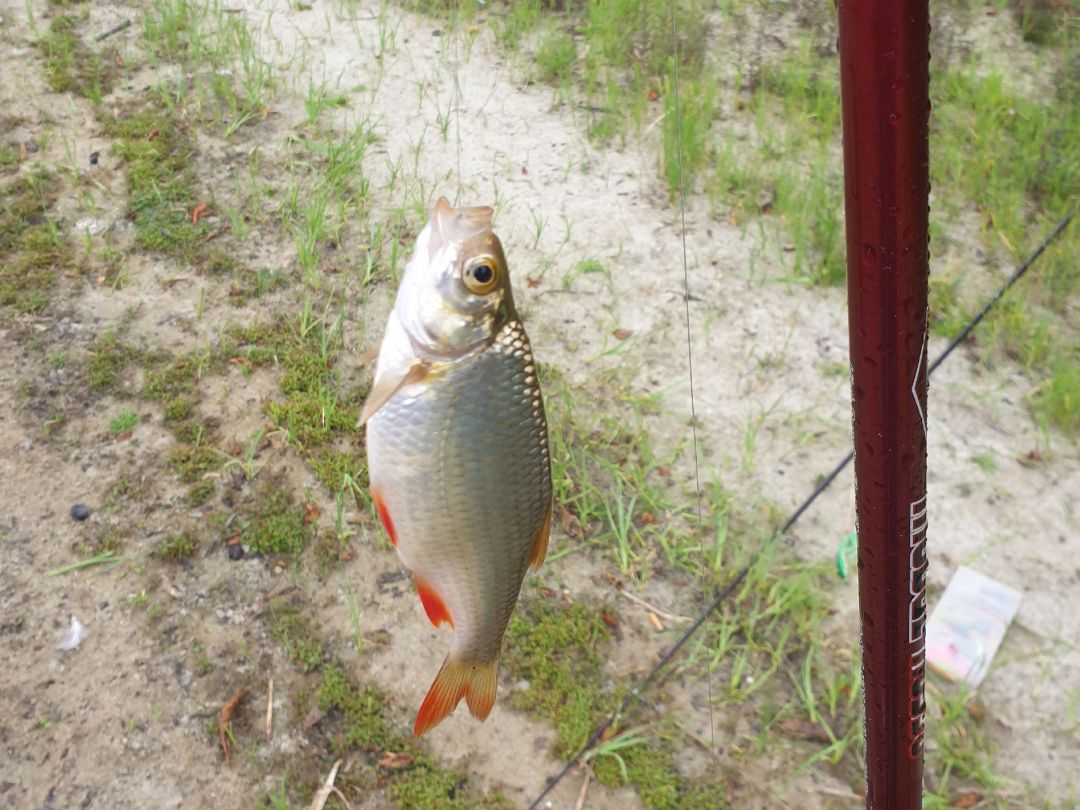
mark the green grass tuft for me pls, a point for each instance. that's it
(651, 769)
(32, 249)
(1057, 399)
(333, 467)
(274, 524)
(123, 421)
(109, 357)
(364, 726)
(299, 636)
(555, 57)
(178, 547)
(192, 462)
(72, 67)
(158, 148)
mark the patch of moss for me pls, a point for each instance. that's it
(9, 155)
(651, 769)
(188, 431)
(171, 381)
(314, 413)
(297, 633)
(556, 648)
(109, 356)
(201, 491)
(305, 370)
(158, 149)
(178, 547)
(259, 343)
(275, 525)
(426, 785)
(330, 551)
(331, 466)
(192, 462)
(362, 707)
(168, 377)
(220, 262)
(32, 249)
(71, 67)
(111, 540)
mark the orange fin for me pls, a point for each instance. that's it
(475, 682)
(388, 385)
(384, 515)
(434, 606)
(540, 542)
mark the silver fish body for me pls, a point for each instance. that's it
(458, 450)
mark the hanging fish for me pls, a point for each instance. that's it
(458, 448)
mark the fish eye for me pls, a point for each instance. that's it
(481, 275)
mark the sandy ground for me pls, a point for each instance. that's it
(126, 720)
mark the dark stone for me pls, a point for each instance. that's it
(80, 512)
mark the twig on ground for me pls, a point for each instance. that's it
(269, 709)
(344, 801)
(580, 803)
(328, 787)
(671, 617)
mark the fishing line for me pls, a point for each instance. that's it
(822, 485)
(1017, 274)
(689, 341)
(456, 100)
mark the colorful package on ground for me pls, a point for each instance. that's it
(968, 625)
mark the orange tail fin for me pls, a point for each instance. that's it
(456, 680)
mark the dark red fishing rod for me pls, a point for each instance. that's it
(885, 84)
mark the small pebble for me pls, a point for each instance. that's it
(93, 158)
(236, 552)
(80, 512)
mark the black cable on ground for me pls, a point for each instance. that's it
(635, 694)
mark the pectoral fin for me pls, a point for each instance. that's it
(389, 383)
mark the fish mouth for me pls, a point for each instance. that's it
(458, 225)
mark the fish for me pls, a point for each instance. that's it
(458, 450)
